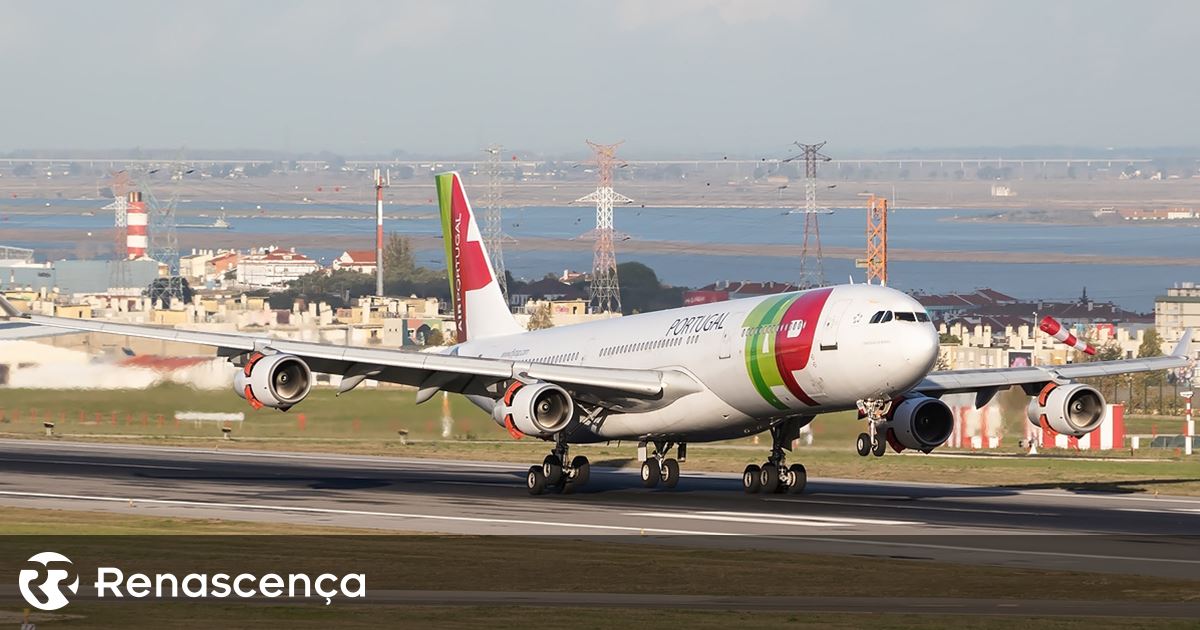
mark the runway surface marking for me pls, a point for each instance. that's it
(1165, 510)
(1014, 552)
(894, 503)
(772, 519)
(72, 462)
(398, 515)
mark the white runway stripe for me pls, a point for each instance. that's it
(766, 518)
(70, 462)
(396, 515)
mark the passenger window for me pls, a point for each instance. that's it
(906, 317)
(887, 317)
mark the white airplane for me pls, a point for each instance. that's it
(665, 379)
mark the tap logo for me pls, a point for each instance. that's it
(48, 581)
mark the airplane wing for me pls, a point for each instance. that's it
(19, 330)
(986, 382)
(430, 372)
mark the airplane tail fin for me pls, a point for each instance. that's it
(479, 307)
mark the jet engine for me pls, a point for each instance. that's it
(1073, 409)
(278, 381)
(920, 422)
(537, 409)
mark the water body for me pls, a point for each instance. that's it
(1133, 287)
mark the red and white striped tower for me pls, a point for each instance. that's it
(382, 180)
(136, 224)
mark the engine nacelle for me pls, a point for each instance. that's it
(920, 422)
(1073, 409)
(535, 409)
(278, 381)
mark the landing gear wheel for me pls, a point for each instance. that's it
(583, 470)
(651, 473)
(670, 473)
(797, 478)
(751, 479)
(536, 480)
(769, 478)
(552, 469)
(879, 447)
(863, 444)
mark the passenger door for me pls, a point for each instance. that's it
(827, 337)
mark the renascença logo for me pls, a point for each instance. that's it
(49, 582)
(43, 586)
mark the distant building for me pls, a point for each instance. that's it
(996, 310)
(724, 290)
(361, 260)
(1178, 311)
(274, 267)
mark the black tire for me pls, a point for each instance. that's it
(583, 470)
(535, 480)
(863, 444)
(651, 473)
(798, 477)
(880, 446)
(569, 487)
(751, 479)
(670, 473)
(552, 469)
(769, 478)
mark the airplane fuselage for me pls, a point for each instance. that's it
(755, 359)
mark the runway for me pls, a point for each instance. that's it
(1051, 529)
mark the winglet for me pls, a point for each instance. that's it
(10, 310)
(1181, 348)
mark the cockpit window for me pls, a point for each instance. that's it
(887, 317)
(906, 317)
(922, 316)
(876, 317)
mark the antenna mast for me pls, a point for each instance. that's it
(383, 179)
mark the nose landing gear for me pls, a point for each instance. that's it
(874, 441)
(775, 475)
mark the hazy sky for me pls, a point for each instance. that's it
(670, 77)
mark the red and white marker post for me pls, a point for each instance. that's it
(1189, 426)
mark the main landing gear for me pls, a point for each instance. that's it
(874, 441)
(657, 467)
(557, 471)
(775, 475)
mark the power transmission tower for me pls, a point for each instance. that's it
(164, 240)
(812, 272)
(605, 290)
(493, 228)
(118, 270)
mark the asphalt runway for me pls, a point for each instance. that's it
(1033, 528)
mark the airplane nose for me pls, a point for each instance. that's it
(924, 349)
(920, 351)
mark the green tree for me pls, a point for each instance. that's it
(435, 338)
(641, 291)
(1151, 346)
(542, 317)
